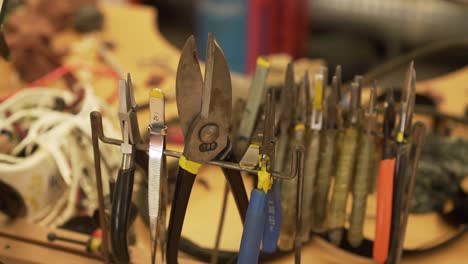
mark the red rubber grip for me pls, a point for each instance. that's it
(384, 209)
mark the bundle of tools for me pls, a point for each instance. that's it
(204, 107)
(341, 161)
(309, 152)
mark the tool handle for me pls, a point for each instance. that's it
(417, 135)
(384, 209)
(327, 152)
(400, 182)
(239, 192)
(120, 214)
(253, 229)
(182, 192)
(288, 198)
(273, 219)
(362, 181)
(344, 172)
(310, 173)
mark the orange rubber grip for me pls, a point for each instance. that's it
(384, 209)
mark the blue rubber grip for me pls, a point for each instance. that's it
(253, 229)
(273, 219)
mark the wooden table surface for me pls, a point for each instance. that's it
(141, 50)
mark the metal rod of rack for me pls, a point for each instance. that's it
(96, 123)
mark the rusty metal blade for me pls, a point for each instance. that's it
(189, 85)
(217, 91)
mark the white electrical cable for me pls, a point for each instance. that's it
(66, 137)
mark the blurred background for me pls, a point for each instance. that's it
(84, 47)
(359, 34)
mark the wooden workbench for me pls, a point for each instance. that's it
(141, 50)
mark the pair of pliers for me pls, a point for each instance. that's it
(204, 108)
(255, 221)
(402, 163)
(122, 189)
(385, 184)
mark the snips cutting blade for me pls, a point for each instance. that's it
(206, 122)
(204, 108)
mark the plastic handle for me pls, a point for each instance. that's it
(384, 209)
(253, 229)
(183, 189)
(120, 215)
(273, 219)
(362, 181)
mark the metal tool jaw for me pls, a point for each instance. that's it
(332, 105)
(205, 122)
(284, 117)
(388, 124)
(128, 121)
(407, 103)
(267, 149)
(341, 89)
(302, 103)
(358, 81)
(353, 114)
(370, 115)
(389, 114)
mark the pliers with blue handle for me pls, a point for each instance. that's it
(257, 211)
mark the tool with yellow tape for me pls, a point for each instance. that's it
(259, 203)
(204, 108)
(157, 173)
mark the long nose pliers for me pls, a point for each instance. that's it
(122, 189)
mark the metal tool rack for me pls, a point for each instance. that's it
(97, 134)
